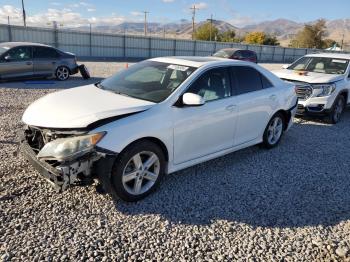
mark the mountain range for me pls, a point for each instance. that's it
(283, 29)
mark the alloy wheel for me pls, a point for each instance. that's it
(275, 130)
(338, 110)
(141, 173)
(62, 73)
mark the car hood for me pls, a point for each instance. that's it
(310, 77)
(79, 107)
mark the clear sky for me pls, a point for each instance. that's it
(237, 12)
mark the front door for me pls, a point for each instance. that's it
(17, 62)
(206, 129)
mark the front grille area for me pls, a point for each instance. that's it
(303, 90)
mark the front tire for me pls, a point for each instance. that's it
(337, 110)
(274, 131)
(138, 171)
(62, 73)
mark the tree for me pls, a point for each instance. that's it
(255, 38)
(228, 36)
(329, 43)
(203, 32)
(260, 38)
(311, 36)
(270, 40)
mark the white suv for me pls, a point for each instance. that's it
(322, 84)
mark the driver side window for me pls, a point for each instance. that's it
(22, 53)
(212, 85)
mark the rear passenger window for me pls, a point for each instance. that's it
(265, 82)
(247, 78)
(44, 52)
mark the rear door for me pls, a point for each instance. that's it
(17, 62)
(45, 60)
(256, 101)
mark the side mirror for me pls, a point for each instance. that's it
(7, 58)
(285, 66)
(190, 99)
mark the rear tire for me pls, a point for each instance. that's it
(84, 71)
(138, 171)
(62, 73)
(337, 110)
(274, 131)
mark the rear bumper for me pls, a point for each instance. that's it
(74, 70)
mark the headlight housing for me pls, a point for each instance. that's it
(68, 148)
(323, 89)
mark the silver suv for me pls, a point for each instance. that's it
(31, 60)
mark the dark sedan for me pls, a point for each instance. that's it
(238, 54)
(31, 60)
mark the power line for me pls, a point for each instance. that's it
(145, 23)
(193, 19)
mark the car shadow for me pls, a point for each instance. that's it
(73, 81)
(297, 184)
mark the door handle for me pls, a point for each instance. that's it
(273, 97)
(231, 107)
(29, 63)
(53, 63)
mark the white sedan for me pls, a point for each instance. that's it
(159, 116)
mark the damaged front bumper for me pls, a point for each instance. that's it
(95, 164)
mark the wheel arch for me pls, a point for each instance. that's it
(344, 93)
(155, 140)
(287, 116)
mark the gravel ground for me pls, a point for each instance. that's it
(291, 203)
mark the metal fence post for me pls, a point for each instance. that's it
(174, 47)
(124, 45)
(90, 41)
(273, 53)
(284, 55)
(260, 52)
(9, 32)
(149, 47)
(194, 47)
(55, 37)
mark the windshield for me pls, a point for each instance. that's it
(324, 65)
(224, 53)
(148, 80)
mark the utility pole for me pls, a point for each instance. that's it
(24, 14)
(145, 26)
(193, 19)
(211, 25)
(342, 42)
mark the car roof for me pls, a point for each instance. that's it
(331, 55)
(14, 44)
(195, 61)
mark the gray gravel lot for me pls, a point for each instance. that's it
(291, 203)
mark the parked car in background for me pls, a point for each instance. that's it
(31, 60)
(322, 84)
(238, 54)
(156, 117)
